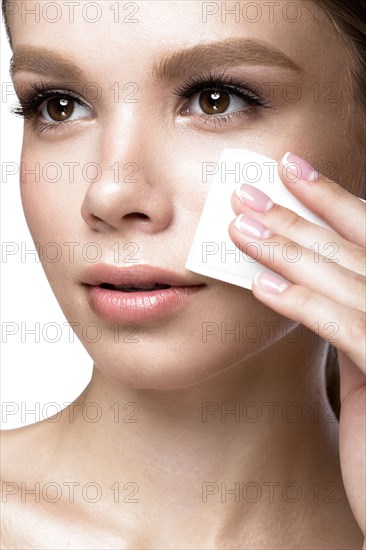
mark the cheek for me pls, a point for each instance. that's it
(51, 201)
(235, 322)
(51, 205)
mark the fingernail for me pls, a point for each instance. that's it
(299, 167)
(270, 283)
(253, 197)
(251, 227)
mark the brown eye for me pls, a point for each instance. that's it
(63, 108)
(60, 108)
(214, 101)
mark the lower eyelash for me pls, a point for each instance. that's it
(221, 120)
(44, 127)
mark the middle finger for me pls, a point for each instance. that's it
(326, 245)
(296, 263)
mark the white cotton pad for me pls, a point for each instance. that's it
(212, 252)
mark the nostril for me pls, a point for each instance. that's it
(136, 214)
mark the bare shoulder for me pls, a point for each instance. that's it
(42, 494)
(21, 451)
(35, 510)
(35, 448)
(26, 455)
(25, 447)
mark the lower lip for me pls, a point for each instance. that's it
(115, 306)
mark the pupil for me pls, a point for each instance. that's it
(60, 108)
(213, 101)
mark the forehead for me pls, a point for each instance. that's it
(107, 34)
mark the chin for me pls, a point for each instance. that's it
(171, 362)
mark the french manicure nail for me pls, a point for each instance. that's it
(253, 197)
(270, 283)
(251, 227)
(299, 167)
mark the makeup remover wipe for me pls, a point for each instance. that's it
(212, 252)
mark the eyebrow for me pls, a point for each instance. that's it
(45, 62)
(225, 53)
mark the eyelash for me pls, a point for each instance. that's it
(28, 106)
(221, 82)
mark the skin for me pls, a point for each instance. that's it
(170, 372)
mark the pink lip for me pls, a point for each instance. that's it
(116, 306)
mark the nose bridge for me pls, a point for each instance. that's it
(119, 136)
(128, 196)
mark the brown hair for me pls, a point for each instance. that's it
(349, 19)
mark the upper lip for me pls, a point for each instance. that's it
(98, 274)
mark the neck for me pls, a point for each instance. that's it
(244, 434)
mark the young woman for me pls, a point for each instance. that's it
(185, 439)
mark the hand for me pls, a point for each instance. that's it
(318, 288)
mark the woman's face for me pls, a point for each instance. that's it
(123, 169)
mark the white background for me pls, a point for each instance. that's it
(34, 374)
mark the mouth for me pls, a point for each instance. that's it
(139, 288)
(143, 278)
(153, 293)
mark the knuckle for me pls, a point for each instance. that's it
(355, 285)
(302, 299)
(360, 288)
(359, 265)
(290, 221)
(336, 192)
(355, 328)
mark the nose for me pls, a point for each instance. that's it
(130, 195)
